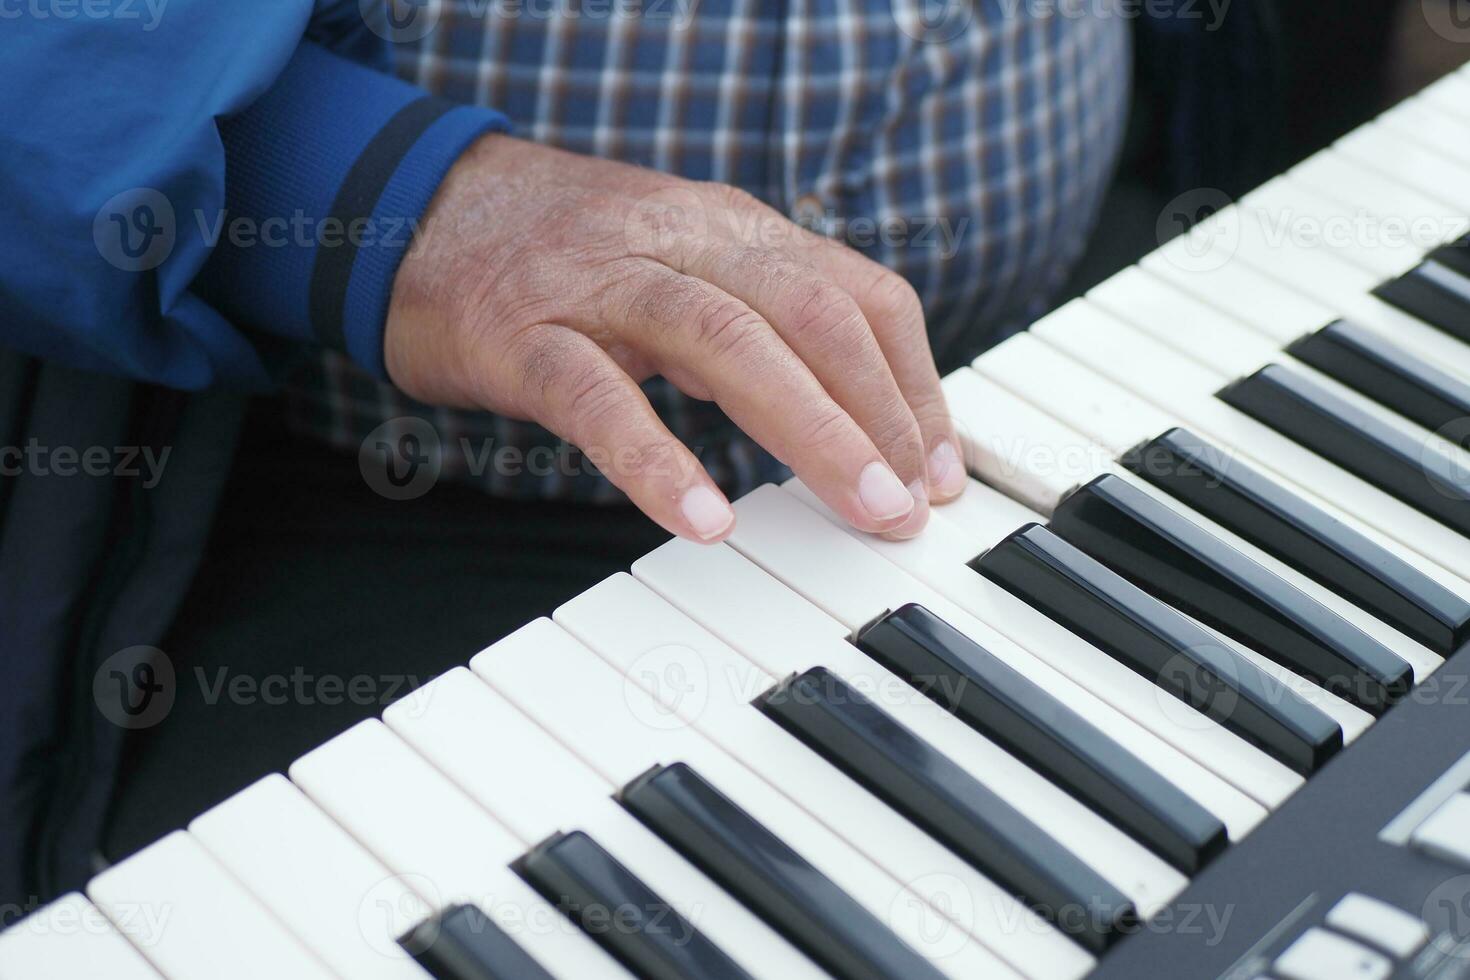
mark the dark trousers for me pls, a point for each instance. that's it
(319, 602)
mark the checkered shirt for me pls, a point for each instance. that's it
(964, 143)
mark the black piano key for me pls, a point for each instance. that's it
(620, 913)
(1436, 294)
(992, 698)
(1410, 468)
(1456, 256)
(460, 943)
(1161, 644)
(924, 785)
(1391, 376)
(1300, 534)
(771, 879)
(1174, 559)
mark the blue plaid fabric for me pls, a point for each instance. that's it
(964, 143)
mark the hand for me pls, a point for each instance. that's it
(547, 285)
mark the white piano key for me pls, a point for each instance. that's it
(784, 634)
(439, 841)
(1173, 383)
(1386, 926)
(1021, 363)
(1417, 121)
(1175, 318)
(1322, 955)
(1427, 170)
(1285, 311)
(1027, 469)
(1412, 222)
(1070, 398)
(1239, 290)
(192, 919)
(622, 731)
(1446, 833)
(323, 885)
(66, 940)
(1327, 275)
(453, 720)
(855, 586)
(1292, 207)
(938, 559)
(1451, 95)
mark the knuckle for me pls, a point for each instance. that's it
(895, 299)
(824, 315)
(825, 431)
(732, 197)
(726, 327)
(593, 396)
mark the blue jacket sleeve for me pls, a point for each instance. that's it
(193, 185)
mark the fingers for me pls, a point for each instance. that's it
(827, 330)
(571, 386)
(893, 311)
(691, 327)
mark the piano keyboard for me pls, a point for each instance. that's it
(1175, 689)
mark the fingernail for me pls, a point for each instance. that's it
(883, 494)
(914, 526)
(708, 514)
(946, 470)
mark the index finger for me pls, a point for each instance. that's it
(896, 317)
